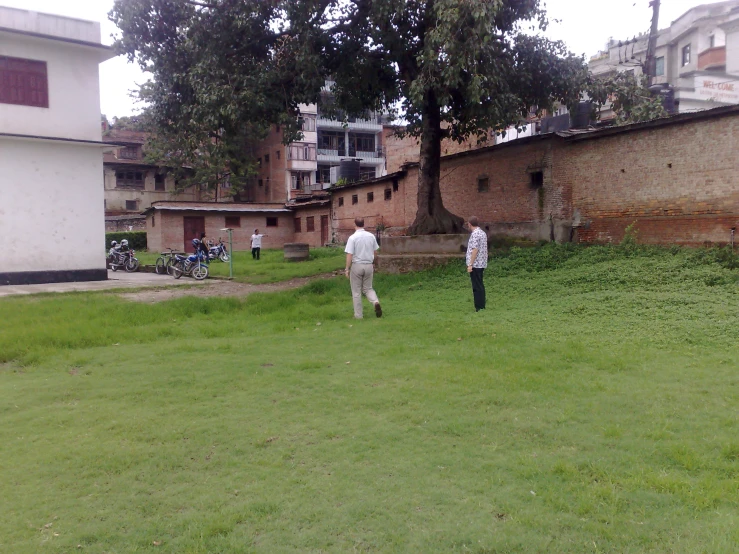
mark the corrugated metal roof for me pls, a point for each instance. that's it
(215, 207)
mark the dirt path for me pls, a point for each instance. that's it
(218, 287)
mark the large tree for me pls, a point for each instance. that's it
(452, 68)
(456, 68)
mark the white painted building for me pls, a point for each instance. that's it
(698, 55)
(51, 153)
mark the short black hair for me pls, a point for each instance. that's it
(359, 221)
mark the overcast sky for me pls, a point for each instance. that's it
(584, 25)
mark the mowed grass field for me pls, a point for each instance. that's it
(593, 407)
(271, 267)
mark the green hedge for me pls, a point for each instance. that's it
(136, 239)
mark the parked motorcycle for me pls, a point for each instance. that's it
(193, 265)
(217, 252)
(124, 260)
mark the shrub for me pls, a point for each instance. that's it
(136, 239)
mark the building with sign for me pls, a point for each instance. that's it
(51, 152)
(697, 55)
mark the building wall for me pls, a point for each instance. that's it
(115, 198)
(679, 183)
(51, 206)
(74, 95)
(273, 175)
(312, 238)
(732, 49)
(165, 229)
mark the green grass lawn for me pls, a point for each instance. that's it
(272, 266)
(593, 407)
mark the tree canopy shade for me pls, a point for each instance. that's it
(456, 69)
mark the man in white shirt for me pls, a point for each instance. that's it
(360, 257)
(256, 244)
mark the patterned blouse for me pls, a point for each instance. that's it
(479, 240)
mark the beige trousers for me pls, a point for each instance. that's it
(360, 278)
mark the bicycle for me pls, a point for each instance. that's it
(165, 262)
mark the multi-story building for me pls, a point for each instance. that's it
(132, 183)
(51, 152)
(697, 55)
(308, 167)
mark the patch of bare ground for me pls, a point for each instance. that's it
(218, 287)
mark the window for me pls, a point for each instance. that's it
(23, 82)
(129, 179)
(153, 220)
(277, 154)
(395, 185)
(323, 174)
(132, 205)
(355, 199)
(341, 201)
(271, 222)
(233, 221)
(260, 182)
(331, 143)
(388, 194)
(159, 181)
(370, 197)
(129, 153)
(483, 184)
(367, 173)
(266, 158)
(301, 151)
(536, 179)
(660, 66)
(300, 179)
(712, 41)
(297, 225)
(686, 55)
(310, 224)
(361, 142)
(307, 123)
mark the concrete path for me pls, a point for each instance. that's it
(116, 280)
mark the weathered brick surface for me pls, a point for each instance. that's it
(312, 238)
(168, 230)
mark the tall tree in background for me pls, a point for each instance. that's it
(224, 69)
(458, 68)
(220, 73)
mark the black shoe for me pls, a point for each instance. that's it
(378, 310)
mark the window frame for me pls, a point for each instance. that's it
(233, 221)
(298, 226)
(483, 183)
(341, 201)
(355, 199)
(135, 205)
(657, 71)
(388, 194)
(685, 55)
(24, 82)
(272, 221)
(370, 197)
(310, 224)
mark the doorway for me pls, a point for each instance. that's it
(193, 227)
(324, 230)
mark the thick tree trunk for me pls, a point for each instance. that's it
(432, 218)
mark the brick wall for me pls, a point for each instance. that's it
(165, 229)
(272, 172)
(312, 238)
(679, 183)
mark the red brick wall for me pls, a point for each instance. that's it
(169, 229)
(312, 238)
(679, 183)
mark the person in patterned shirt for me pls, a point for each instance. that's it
(477, 261)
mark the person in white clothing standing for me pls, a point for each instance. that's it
(256, 244)
(360, 257)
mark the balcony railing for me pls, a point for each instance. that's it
(712, 58)
(352, 153)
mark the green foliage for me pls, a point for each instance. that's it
(136, 239)
(590, 408)
(630, 99)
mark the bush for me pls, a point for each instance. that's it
(136, 239)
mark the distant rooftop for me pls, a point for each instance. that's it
(48, 25)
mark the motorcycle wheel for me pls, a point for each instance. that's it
(161, 267)
(223, 257)
(114, 267)
(199, 272)
(176, 271)
(132, 265)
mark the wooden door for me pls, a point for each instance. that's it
(194, 227)
(324, 230)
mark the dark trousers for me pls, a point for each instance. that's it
(255, 253)
(478, 288)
